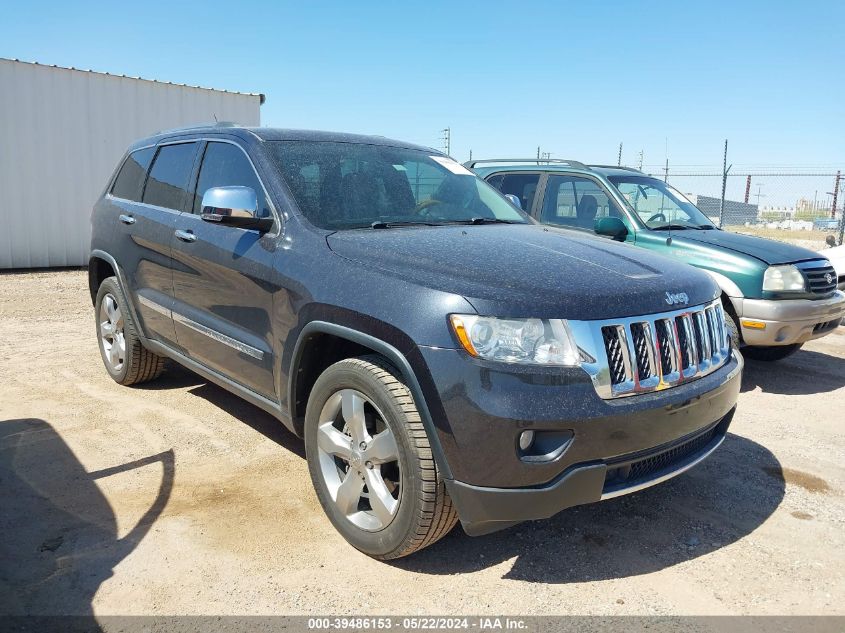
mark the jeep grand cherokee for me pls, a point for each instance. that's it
(444, 356)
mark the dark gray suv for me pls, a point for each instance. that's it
(443, 356)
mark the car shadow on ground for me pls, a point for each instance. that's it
(58, 533)
(178, 377)
(804, 373)
(717, 503)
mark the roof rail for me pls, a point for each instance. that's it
(639, 171)
(538, 161)
(198, 126)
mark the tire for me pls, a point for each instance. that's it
(421, 511)
(113, 320)
(732, 325)
(770, 353)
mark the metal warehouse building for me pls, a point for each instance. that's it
(62, 132)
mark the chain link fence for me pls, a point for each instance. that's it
(795, 206)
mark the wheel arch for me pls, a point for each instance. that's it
(728, 287)
(347, 342)
(102, 265)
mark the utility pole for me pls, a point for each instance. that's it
(640, 163)
(725, 170)
(538, 154)
(747, 187)
(619, 159)
(835, 197)
(666, 169)
(470, 154)
(447, 140)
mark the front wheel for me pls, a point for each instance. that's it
(770, 353)
(371, 462)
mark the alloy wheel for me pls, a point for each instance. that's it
(112, 336)
(359, 460)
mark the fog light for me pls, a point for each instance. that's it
(526, 439)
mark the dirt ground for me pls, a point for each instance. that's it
(179, 498)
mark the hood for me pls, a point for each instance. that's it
(768, 251)
(528, 270)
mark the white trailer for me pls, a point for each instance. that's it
(62, 131)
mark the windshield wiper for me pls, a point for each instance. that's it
(706, 227)
(383, 224)
(479, 220)
(672, 227)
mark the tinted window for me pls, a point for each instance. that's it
(577, 202)
(168, 181)
(225, 165)
(523, 186)
(353, 185)
(130, 178)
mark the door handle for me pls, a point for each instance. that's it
(127, 219)
(186, 236)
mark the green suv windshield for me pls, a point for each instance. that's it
(354, 185)
(658, 205)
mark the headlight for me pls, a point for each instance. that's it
(783, 279)
(524, 341)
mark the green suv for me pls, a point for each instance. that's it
(778, 295)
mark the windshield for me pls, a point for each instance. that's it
(658, 205)
(352, 185)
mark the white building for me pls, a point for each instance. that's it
(62, 132)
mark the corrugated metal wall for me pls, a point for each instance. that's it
(62, 132)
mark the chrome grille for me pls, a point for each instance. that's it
(818, 274)
(653, 352)
(614, 346)
(643, 349)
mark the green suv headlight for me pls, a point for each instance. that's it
(783, 279)
(523, 341)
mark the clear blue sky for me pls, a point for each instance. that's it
(573, 77)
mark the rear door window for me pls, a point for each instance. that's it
(167, 184)
(130, 178)
(523, 186)
(225, 165)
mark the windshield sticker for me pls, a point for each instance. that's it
(454, 167)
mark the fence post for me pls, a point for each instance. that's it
(724, 185)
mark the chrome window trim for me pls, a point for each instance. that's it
(711, 356)
(249, 350)
(208, 139)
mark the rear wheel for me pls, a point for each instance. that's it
(771, 353)
(371, 463)
(126, 359)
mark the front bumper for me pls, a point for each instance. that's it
(486, 510)
(483, 407)
(790, 321)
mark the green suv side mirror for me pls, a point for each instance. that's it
(611, 227)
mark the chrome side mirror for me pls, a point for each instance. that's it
(515, 201)
(233, 206)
